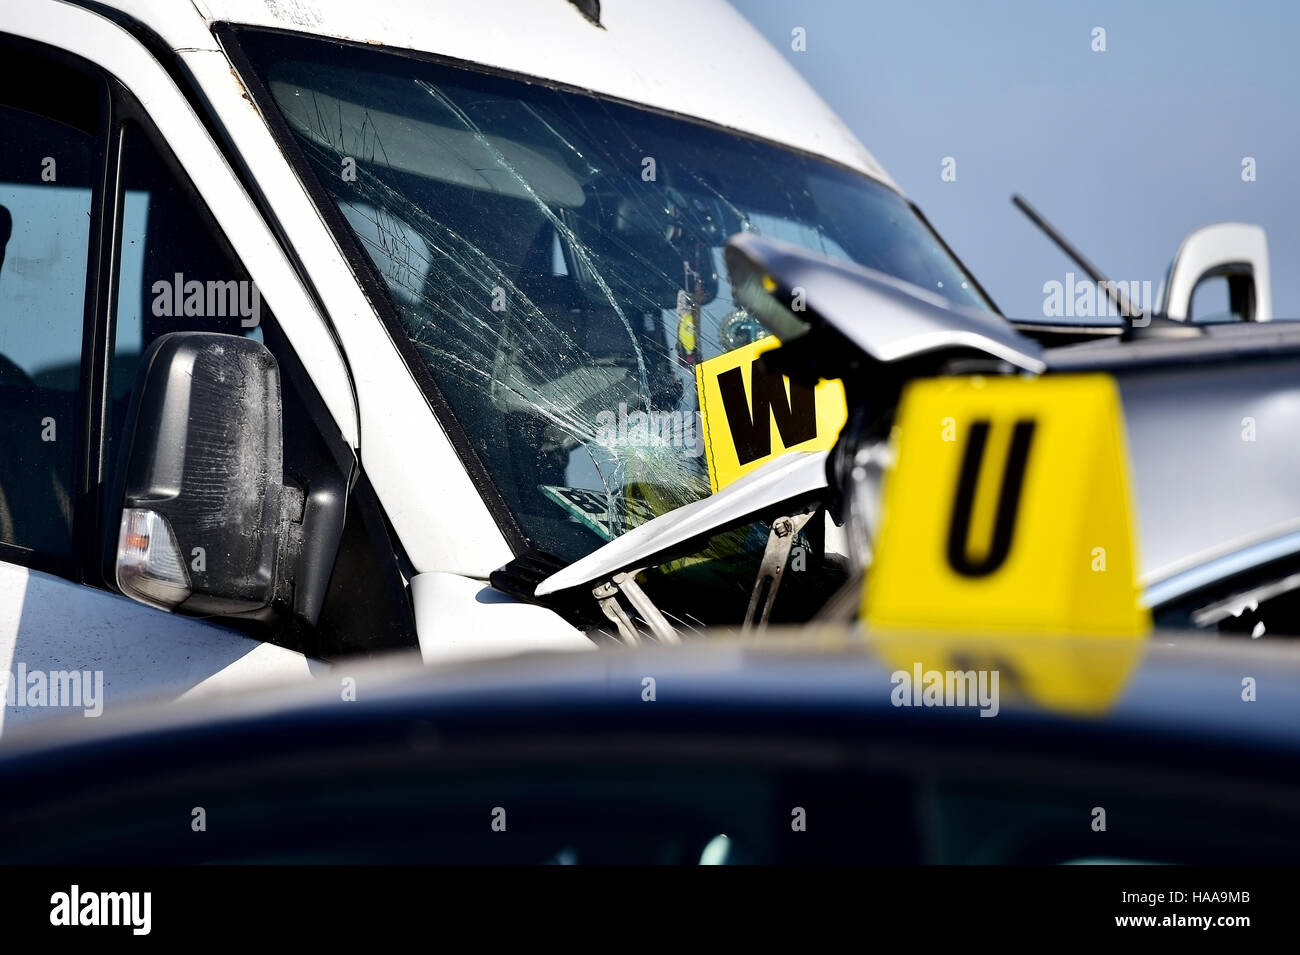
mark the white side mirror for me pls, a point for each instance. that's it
(1231, 250)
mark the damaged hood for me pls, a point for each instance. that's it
(791, 288)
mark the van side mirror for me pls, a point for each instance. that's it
(1229, 250)
(204, 493)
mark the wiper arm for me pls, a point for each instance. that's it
(791, 487)
(1117, 297)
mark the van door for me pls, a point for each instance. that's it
(69, 266)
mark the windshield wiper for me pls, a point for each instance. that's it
(1117, 297)
(786, 492)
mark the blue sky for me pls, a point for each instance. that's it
(1125, 151)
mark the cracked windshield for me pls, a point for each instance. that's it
(556, 261)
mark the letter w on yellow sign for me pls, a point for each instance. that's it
(749, 416)
(1008, 509)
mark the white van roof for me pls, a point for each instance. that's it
(699, 58)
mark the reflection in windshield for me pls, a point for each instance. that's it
(557, 261)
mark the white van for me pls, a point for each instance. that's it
(331, 328)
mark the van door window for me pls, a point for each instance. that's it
(177, 272)
(174, 273)
(45, 221)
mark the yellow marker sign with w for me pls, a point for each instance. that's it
(750, 416)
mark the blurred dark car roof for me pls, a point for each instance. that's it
(735, 733)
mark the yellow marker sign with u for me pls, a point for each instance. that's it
(1008, 510)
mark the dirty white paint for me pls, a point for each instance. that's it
(695, 57)
(49, 625)
(459, 618)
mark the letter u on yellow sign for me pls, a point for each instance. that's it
(1017, 520)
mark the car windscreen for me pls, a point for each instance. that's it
(555, 260)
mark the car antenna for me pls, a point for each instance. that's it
(1126, 311)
